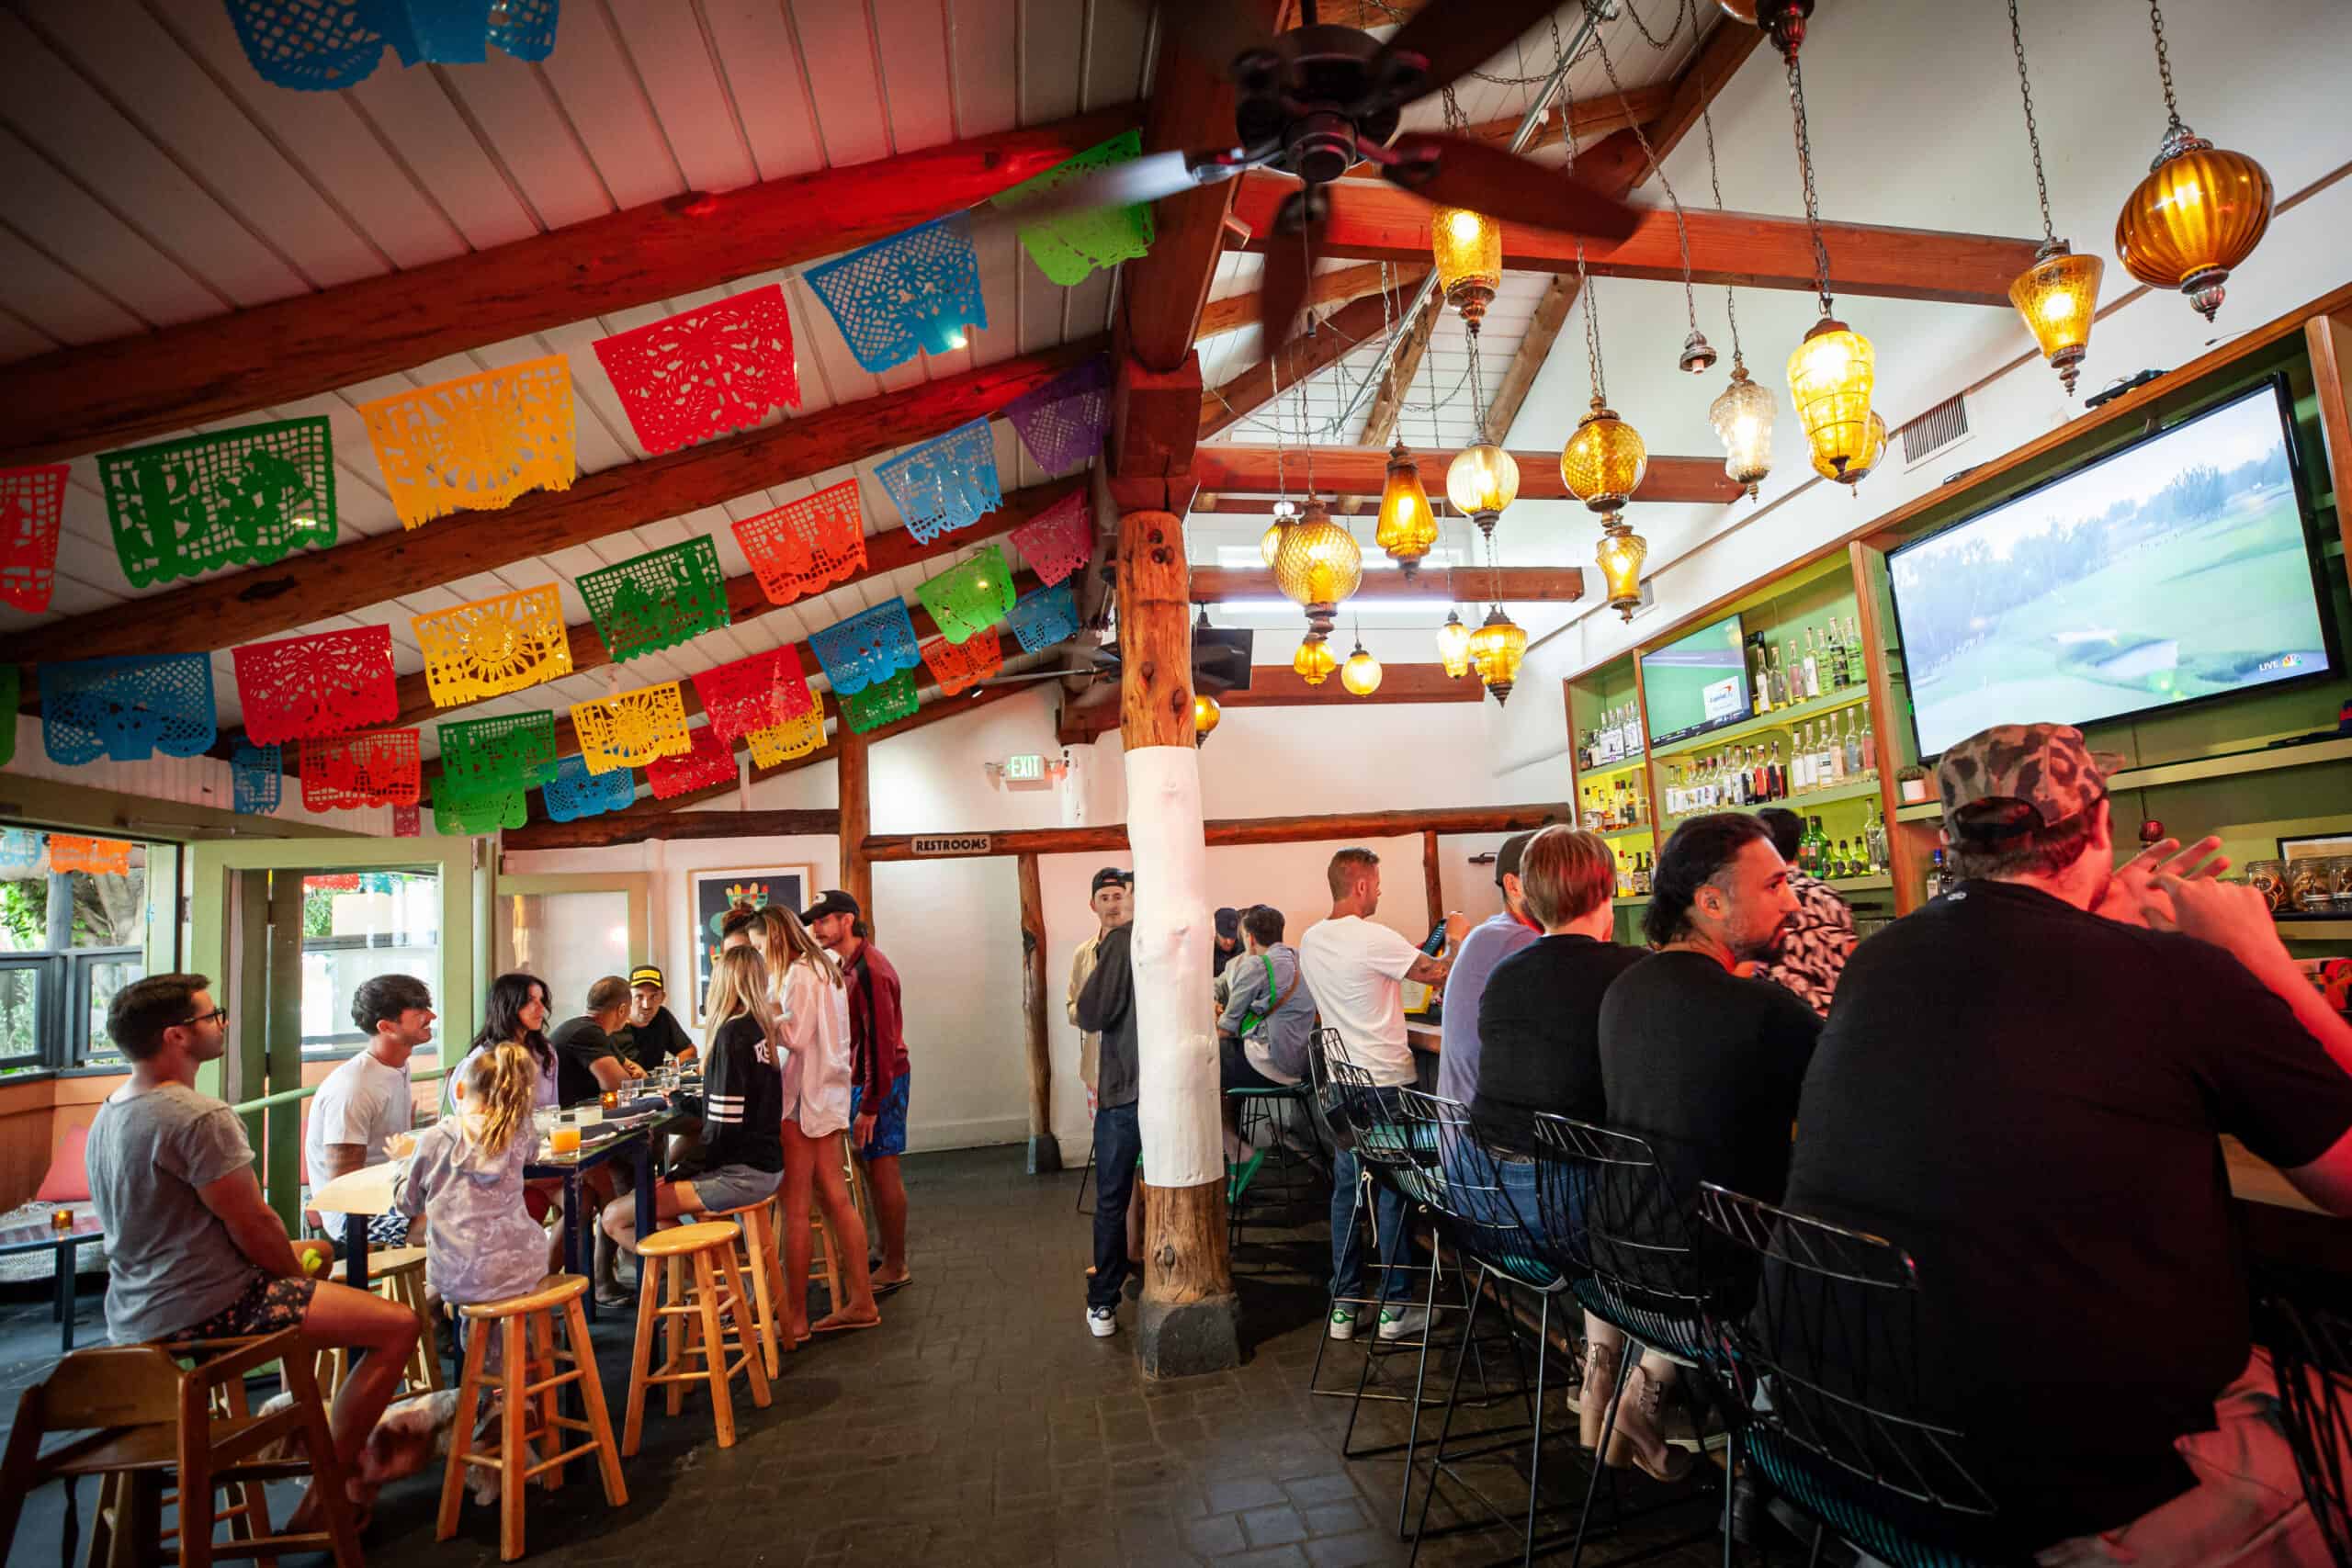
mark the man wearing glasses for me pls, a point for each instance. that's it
(193, 1250)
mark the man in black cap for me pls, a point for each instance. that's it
(879, 1079)
(1490, 941)
(1108, 895)
(1106, 1005)
(653, 1035)
(2027, 1097)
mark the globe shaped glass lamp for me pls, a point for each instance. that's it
(1313, 662)
(1831, 375)
(1319, 563)
(1482, 481)
(1361, 673)
(2194, 219)
(1495, 650)
(1453, 644)
(1206, 717)
(1604, 461)
(1743, 420)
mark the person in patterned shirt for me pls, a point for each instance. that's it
(1820, 936)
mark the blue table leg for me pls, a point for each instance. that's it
(69, 1254)
(354, 1250)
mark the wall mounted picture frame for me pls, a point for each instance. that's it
(713, 893)
(2310, 846)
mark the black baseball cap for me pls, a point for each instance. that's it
(1110, 876)
(1506, 858)
(833, 901)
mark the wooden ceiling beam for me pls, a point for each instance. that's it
(1466, 584)
(229, 608)
(629, 828)
(1363, 470)
(1591, 117)
(1235, 311)
(1380, 420)
(1280, 686)
(1372, 220)
(1346, 329)
(1343, 828)
(74, 400)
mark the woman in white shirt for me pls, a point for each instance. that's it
(813, 1031)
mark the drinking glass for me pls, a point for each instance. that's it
(2339, 882)
(2307, 886)
(565, 1139)
(2270, 875)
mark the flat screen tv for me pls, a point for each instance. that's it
(1697, 682)
(2176, 570)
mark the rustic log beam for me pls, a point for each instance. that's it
(1465, 584)
(1372, 220)
(1432, 883)
(598, 833)
(73, 400)
(1306, 352)
(1279, 686)
(1235, 311)
(1380, 420)
(228, 608)
(1044, 1150)
(1362, 471)
(1253, 830)
(855, 794)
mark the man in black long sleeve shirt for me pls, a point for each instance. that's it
(1107, 1006)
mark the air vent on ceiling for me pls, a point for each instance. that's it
(1935, 430)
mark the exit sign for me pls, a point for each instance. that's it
(1027, 769)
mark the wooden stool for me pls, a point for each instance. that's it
(133, 1406)
(525, 1392)
(704, 1285)
(758, 1261)
(397, 1274)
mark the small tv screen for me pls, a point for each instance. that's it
(1697, 682)
(2175, 569)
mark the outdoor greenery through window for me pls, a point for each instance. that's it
(73, 932)
(358, 925)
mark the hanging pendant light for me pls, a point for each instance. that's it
(1495, 650)
(1318, 565)
(1270, 543)
(2058, 295)
(1407, 528)
(1742, 416)
(1834, 370)
(1469, 250)
(1859, 468)
(1206, 717)
(1453, 644)
(1621, 553)
(1313, 662)
(1604, 462)
(1783, 21)
(1698, 353)
(2200, 211)
(1482, 480)
(1361, 674)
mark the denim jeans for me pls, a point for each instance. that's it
(1346, 1245)
(1117, 1143)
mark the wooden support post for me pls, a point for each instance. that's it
(1045, 1154)
(1186, 1326)
(857, 872)
(1436, 885)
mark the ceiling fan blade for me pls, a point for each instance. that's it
(1282, 290)
(1456, 40)
(1148, 178)
(1457, 171)
(1218, 32)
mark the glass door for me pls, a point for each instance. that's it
(571, 930)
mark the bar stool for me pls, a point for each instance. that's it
(705, 1286)
(524, 1392)
(397, 1274)
(757, 1259)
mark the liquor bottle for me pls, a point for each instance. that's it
(1832, 757)
(1853, 746)
(1936, 882)
(1800, 762)
(1847, 863)
(1857, 668)
(1760, 680)
(1776, 782)
(1776, 678)
(1759, 782)
(1806, 670)
(1833, 660)
(1870, 750)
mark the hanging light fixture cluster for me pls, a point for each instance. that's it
(1407, 528)
(1482, 481)
(2200, 211)
(2058, 295)
(1361, 674)
(1603, 465)
(1742, 412)
(1833, 372)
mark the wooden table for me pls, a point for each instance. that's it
(37, 1235)
(2254, 1179)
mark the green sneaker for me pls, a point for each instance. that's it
(1344, 1322)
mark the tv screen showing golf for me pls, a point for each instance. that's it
(2175, 570)
(1697, 682)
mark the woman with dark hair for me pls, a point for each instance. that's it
(515, 1013)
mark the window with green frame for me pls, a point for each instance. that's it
(69, 940)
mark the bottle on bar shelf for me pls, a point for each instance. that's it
(1761, 680)
(1833, 756)
(1833, 658)
(1852, 747)
(1810, 665)
(1780, 678)
(1939, 883)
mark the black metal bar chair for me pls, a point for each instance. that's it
(1827, 1368)
(2311, 1351)
(1633, 1262)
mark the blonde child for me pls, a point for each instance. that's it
(465, 1180)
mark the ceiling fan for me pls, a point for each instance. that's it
(1221, 662)
(1317, 100)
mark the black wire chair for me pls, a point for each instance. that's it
(1829, 1370)
(2311, 1351)
(1458, 1176)
(1627, 1246)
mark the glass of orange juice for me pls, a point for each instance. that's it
(565, 1139)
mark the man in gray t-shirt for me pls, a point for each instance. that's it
(194, 1250)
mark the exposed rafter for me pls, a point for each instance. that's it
(74, 400)
(1235, 311)
(228, 608)
(1509, 585)
(1279, 686)
(1380, 420)
(1362, 471)
(1304, 353)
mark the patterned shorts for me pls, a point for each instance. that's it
(270, 1302)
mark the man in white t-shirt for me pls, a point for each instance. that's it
(366, 1102)
(1356, 968)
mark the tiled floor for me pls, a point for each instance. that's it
(981, 1423)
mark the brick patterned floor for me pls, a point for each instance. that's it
(981, 1423)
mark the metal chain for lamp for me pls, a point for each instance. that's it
(2163, 69)
(1812, 199)
(1647, 37)
(2033, 132)
(1477, 392)
(1681, 228)
(1715, 181)
(1591, 326)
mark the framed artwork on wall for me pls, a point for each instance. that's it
(716, 891)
